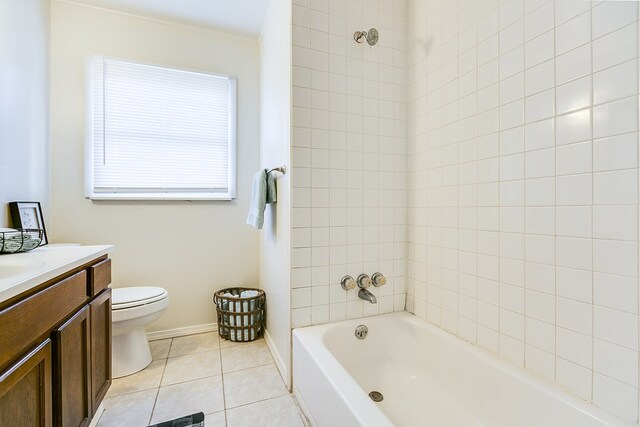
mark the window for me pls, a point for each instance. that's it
(159, 133)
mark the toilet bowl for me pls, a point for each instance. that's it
(132, 310)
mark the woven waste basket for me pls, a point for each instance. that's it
(240, 313)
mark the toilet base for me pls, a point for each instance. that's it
(130, 353)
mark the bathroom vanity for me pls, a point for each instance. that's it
(55, 335)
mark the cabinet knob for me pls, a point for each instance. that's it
(347, 283)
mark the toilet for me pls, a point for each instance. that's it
(132, 310)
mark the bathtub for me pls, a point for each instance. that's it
(427, 377)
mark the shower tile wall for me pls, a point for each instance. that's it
(523, 186)
(349, 157)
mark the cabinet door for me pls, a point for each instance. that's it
(71, 372)
(100, 347)
(25, 390)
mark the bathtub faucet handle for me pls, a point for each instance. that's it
(347, 283)
(378, 279)
(364, 281)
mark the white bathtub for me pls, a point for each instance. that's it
(428, 378)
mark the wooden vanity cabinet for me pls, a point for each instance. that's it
(100, 309)
(25, 390)
(55, 350)
(72, 382)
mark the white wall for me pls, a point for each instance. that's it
(190, 248)
(24, 104)
(349, 158)
(275, 149)
(523, 195)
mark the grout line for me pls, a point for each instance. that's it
(155, 401)
(224, 390)
(591, 124)
(164, 368)
(286, 393)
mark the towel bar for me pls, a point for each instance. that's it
(281, 169)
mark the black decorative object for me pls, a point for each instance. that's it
(28, 215)
(194, 420)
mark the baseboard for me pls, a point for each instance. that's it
(278, 359)
(97, 415)
(180, 332)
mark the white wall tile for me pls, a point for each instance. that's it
(617, 152)
(573, 127)
(573, 64)
(616, 117)
(616, 82)
(522, 201)
(619, 363)
(574, 221)
(616, 397)
(610, 16)
(574, 315)
(349, 159)
(617, 187)
(618, 222)
(616, 292)
(573, 377)
(615, 327)
(616, 47)
(573, 33)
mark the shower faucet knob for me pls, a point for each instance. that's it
(364, 281)
(347, 283)
(378, 279)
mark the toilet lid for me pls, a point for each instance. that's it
(135, 296)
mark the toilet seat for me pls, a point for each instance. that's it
(123, 298)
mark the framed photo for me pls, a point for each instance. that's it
(28, 215)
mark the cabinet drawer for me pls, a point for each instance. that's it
(33, 318)
(99, 277)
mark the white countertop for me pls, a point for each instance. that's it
(22, 271)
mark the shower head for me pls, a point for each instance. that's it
(371, 36)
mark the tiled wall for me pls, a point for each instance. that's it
(523, 186)
(349, 157)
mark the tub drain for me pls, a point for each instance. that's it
(376, 396)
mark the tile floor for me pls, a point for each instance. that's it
(234, 384)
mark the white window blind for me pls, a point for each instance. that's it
(159, 133)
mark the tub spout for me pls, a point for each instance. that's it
(367, 296)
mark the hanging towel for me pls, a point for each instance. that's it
(263, 192)
(272, 193)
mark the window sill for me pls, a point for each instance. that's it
(162, 197)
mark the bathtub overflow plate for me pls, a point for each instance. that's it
(361, 332)
(376, 396)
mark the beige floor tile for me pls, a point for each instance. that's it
(281, 412)
(128, 410)
(215, 420)
(253, 384)
(146, 379)
(191, 367)
(160, 349)
(227, 343)
(204, 395)
(194, 344)
(245, 356)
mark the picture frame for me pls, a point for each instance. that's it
(28, 215)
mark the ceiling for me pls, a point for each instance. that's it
(241, 17)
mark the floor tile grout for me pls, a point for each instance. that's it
(164, 368)
(221, 374)
(258, 401)
(224, 394)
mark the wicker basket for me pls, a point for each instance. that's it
(239, 319)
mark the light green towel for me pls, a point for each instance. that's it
(263, 192)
